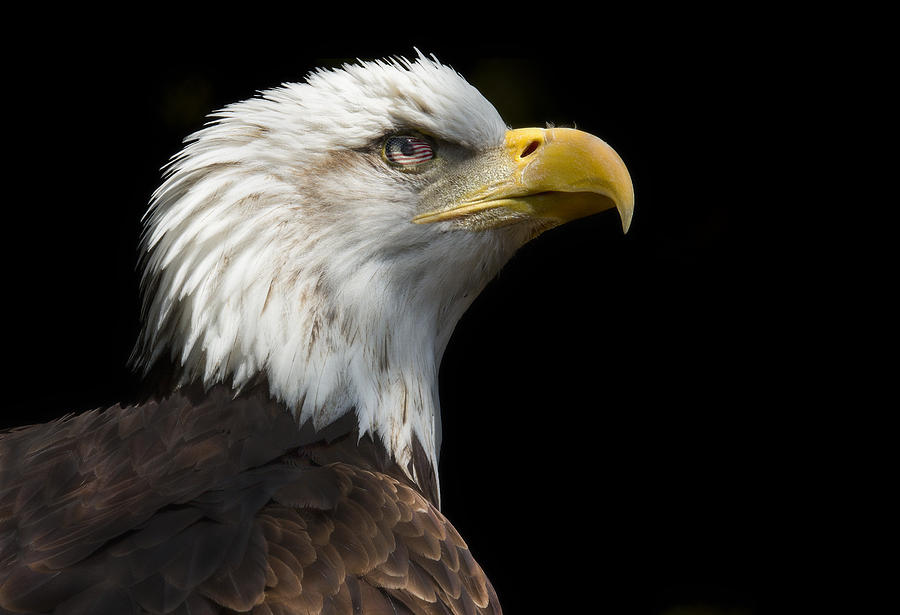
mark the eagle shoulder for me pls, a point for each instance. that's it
(373, 544)
(209, 504)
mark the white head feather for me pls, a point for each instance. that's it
(275, 249)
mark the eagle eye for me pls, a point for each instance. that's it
(405, 150)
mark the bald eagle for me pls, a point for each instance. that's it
(304, 263)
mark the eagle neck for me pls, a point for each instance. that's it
(374, 346)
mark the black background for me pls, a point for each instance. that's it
(622, 415)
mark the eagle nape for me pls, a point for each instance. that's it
(303, 265)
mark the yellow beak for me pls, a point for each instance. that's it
(557, 174)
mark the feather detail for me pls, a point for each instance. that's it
(290, 531)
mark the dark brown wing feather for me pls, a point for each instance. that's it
(196, 505)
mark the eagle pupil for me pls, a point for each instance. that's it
(405, 150)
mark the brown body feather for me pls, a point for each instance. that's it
(215, 504)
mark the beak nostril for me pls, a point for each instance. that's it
(529, 149)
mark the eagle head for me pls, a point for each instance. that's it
(325, 237)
